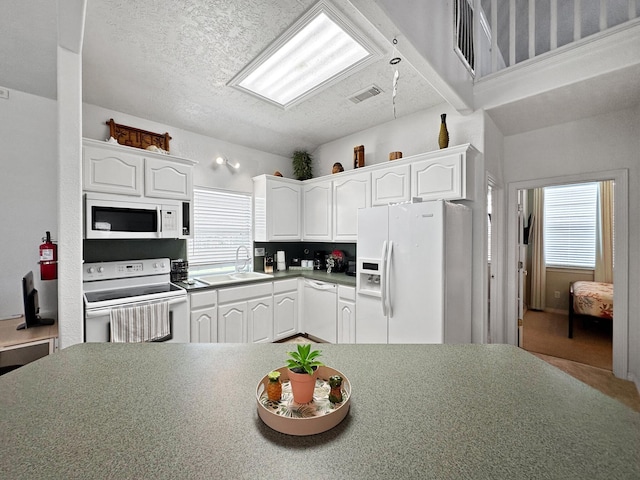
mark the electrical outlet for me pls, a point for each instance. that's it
(258, 252)
(4, 92)
(556, 294)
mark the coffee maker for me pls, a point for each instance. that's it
(319, 260)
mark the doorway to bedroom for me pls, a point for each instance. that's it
(567, 237)
(544, 327)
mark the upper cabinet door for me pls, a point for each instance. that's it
(167, 179)
(440, 179)
(391, 185)
(111, 172)
(349, 195)
(283, 202)
(317, 211)
(277, 203)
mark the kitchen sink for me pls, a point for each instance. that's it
(250, 275)
(236, 277)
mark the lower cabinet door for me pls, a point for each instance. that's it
(285, 314)
(346, 321)
(204, 325)
(232, 322)
(260, 320)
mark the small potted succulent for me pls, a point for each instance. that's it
(303, 370)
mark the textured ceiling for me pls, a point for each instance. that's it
(170, 60)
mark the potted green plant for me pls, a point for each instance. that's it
(303, 370)
(302, 165)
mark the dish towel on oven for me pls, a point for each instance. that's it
(140, 323)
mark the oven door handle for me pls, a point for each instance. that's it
(90, 313)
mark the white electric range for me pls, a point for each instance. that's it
(108, 285)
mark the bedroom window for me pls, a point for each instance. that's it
(570, 217)
(221, 223)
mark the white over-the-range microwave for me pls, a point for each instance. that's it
(119, 216)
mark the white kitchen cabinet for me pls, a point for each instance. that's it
(232, 322)
(111, 171)
(285, 308)
(276, 209)
(320, 310)
(245, 314)
(442, 178)
(391, 185)
(346, 314)
(317, 211)
(204, 316)
(167, 179)
(260, 319)
(349, 194)
(117, 169)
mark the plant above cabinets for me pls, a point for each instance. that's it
(302, 165)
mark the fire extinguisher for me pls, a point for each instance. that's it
(48, 259)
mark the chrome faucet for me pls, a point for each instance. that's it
(245, 261)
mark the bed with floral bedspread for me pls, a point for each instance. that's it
(594, 299)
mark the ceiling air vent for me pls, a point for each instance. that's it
(368, 92)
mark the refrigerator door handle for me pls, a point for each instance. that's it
(382, 278)
(387, 280)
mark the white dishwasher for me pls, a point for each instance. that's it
(320, 310)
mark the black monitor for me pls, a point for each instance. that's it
(31, 307)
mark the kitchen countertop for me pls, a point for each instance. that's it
(321, 275)
(417, 411)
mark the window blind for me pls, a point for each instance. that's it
(570, 225)
(222, 223)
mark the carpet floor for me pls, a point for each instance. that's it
(546, 333)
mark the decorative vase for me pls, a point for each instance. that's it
(443, 138)
(358, 156)
(302, 386)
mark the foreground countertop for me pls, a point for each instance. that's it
(417, 411)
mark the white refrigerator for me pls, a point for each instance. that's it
(414, 273)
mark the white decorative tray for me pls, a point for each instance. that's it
(291, 418)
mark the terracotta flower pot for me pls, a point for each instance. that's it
(302, 386)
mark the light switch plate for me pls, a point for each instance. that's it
(258, 252)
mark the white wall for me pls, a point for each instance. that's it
(634, 254)
(69, 179)
(412, 134)
(600, 143)
(196, 147)
(28, 196)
